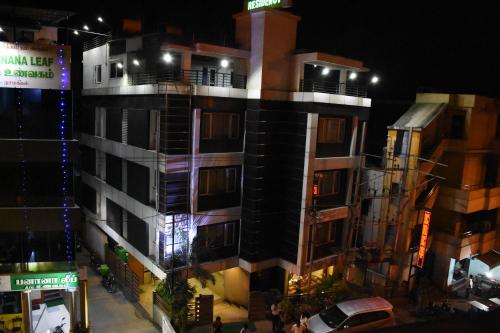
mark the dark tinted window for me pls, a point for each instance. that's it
(333, 316)
(114, 171)
(117, 47)
(114, 124)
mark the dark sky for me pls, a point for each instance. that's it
(410, 44)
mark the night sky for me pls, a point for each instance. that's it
(410, 45)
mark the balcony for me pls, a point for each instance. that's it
(469, 199)
(463, 246)
(332, 87)
(194, 77)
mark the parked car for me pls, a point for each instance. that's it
(354, 316)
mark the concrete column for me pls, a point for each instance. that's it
(72, 312)
(342, 81)
(355, 121)
(186, 64)
(30, 311)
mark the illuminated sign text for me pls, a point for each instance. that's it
(423, 239)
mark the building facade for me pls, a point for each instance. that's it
(222, 147)
(431, 209)
(38, 215)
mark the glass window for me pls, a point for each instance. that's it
(98, 74)
(217, 235)
(116, 70)
(331, 130)
(333, 316)
(219, 126)
(217, 180)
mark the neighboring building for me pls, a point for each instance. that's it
(223, 144)
(38, 216)
(441, 168)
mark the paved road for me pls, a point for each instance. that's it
(110, 313)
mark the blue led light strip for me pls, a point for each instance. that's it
(20, 135)
(64, 153)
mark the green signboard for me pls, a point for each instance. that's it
(256, 4)
(42, 281)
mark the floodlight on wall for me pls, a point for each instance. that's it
(1, 30)
(100, 19)
(325, 71)
(374, 79)
(119, 65)
(75, 32)
(136, 62)
(224, 63)
(167, 57)
(353, 76)
(86, 27)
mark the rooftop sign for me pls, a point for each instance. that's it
(256, 4)
(41, 66)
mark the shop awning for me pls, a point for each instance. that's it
(491, 258)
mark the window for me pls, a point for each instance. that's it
(331, 130)
(328, 182)
(116, 69)
(217, 180)
(219, 126)
(97, 74)
(326, 232)
(217, 235)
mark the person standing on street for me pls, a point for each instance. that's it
(275, 314)
(217, 325)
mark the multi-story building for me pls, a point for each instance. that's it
(38, 216)
(432, 207)
(223, 143)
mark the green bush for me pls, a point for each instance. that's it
(176, 296)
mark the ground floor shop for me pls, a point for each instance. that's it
(42, 296)
(483, 269)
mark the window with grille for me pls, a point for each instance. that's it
(331, 130)
(328, 182)
(217, 180)
(219, 126)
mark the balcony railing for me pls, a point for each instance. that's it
(195, 77)
(332, 87)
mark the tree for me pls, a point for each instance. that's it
(177, 296)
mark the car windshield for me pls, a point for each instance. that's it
(333, 316)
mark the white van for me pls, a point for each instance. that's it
(353, 316)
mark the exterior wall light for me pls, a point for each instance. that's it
(374, 79)
(1, 30)
(224, 63)
(75, 32)
(353, 76)
(100, 19)
(167, 57)
(119, 65)
(325, 71)
(136, 62)
(86, 27)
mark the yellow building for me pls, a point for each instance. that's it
(440, 169)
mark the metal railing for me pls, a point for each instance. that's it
(195, 77)
(95, 42)
(332, 87)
